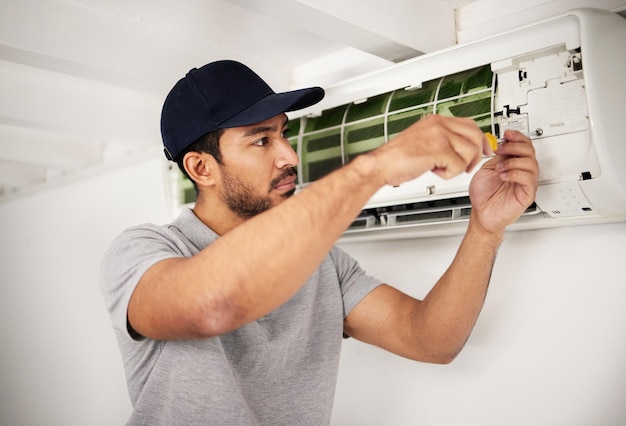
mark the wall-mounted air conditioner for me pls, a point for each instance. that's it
(562, 81)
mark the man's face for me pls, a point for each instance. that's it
(258, 167)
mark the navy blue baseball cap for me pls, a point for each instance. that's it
(221, 95)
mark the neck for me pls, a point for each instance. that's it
(217, 217)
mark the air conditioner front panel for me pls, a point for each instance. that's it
(530, 79)
(541, 94)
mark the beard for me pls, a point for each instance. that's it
(240, 196)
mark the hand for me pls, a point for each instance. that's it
(447, 146)
(506, 184)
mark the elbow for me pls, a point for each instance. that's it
(214, 314)
(207, 327)
(440, 356)
(445, 359)
(215, 321)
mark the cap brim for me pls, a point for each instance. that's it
(274, 104)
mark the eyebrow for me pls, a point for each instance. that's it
(262, 129)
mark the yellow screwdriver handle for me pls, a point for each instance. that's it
(493, 142)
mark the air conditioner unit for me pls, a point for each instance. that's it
(561, 81)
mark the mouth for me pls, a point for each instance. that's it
(285, 182)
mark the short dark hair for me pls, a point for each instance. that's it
(209, 143)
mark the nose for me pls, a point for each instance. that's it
(287, 157)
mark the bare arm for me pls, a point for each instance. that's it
(436, 329)
(250, 270)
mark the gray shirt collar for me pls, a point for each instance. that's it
(199, 234)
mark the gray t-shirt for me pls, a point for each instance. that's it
(278, 370)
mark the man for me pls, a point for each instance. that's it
(235, 312)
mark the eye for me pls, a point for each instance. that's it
(261, 142)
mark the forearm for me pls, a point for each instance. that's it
(260, 264)
(448, 313)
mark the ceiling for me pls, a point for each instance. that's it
(83, 81)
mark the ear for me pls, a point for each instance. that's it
(201, 167)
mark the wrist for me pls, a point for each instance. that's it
(490, 236)
(368, 171)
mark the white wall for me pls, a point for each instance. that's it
(59, 362)
(548, 349)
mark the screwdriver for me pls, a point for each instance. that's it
(493, 141)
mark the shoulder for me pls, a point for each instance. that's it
(140, 246)
(341, 260)
(337, 254)
(145, 235)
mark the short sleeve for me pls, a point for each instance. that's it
(128, 257)
(354, 282)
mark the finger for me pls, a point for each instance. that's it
(525, 178)
(490, 144)
(522, 179)
(515, 149)
(526, 164)
(449, 164)
(464, 126)
(514, 136)
(451, 139)
(467, 140)
(467, 150)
